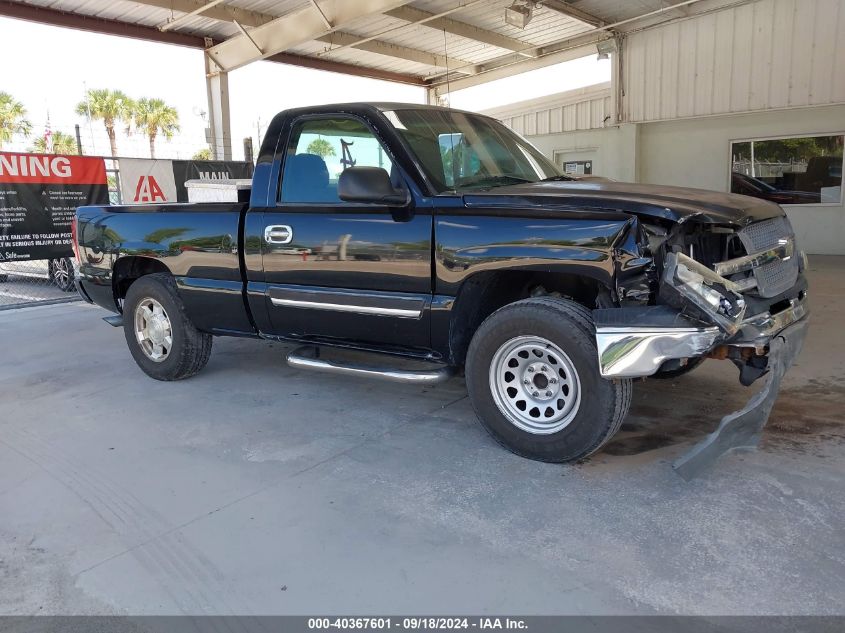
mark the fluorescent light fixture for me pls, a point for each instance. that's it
(518, 15)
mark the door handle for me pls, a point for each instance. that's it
(278, 234)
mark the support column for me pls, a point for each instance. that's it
(617, 83)
(219, 124)
(432, 97)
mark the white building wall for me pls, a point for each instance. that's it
(583, 109)
(696, 153)
(766, 54)
(763, 69)
(613, 150)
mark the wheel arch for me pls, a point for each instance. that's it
(127, 270)
(481, 294)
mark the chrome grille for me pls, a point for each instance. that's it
(775, 277)
(764, 235)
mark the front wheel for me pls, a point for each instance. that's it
(61, 273)
(533, 378)
(161, 338)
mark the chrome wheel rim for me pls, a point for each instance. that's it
(61, 274)
(535, 385)
(153, 330)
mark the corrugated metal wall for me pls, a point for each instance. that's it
(765, 54)
(584, 109)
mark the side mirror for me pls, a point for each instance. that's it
(370, 184)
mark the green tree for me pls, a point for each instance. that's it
(108, 106)
(321, 147)
(154, 117)
(203, 154)
(12, 118)
(62, 144)
(159, 235)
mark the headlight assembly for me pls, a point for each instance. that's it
(713, 297)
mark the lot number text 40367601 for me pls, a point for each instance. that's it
(428, 623)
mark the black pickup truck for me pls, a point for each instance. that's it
(442, 237)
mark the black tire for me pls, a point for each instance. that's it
(668, 374)
(569, 327)
(61, 274)
(190, 348)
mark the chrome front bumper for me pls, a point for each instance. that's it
(636, 351)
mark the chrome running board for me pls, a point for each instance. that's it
(306, 358)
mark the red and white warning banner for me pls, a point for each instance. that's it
(39, 194)
(51, 169)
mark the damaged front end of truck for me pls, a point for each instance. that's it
(698, 289)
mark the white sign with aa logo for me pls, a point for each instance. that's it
(145, 181)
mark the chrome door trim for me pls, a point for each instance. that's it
(358, 302)
(338, 307)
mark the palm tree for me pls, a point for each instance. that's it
(202, 154)
(321, 147)
(110, 106)
(154, 116)
(12, 118)
(62, 144)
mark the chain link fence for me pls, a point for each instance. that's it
(36, 283)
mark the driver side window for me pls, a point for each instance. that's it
(320, 150)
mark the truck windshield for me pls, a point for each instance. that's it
(460, 151)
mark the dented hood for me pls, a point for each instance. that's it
(677, 204)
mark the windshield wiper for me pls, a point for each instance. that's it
(501, 179)
(560, 177)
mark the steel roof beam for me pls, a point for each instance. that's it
(512, 64)
(380, 47)
(455, 27)
(221, 12)
(583, 44)
(173, 23)
(104, 26)
(566, 8)
(293, 29)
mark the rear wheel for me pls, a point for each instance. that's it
(161, 338)
(533, 378)
(61, 273)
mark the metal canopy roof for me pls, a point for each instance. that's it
(421, 42)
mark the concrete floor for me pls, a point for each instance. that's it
(257, 489)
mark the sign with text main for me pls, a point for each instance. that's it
(39, 194)
(154, 181)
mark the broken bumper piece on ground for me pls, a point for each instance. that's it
(742, 429)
